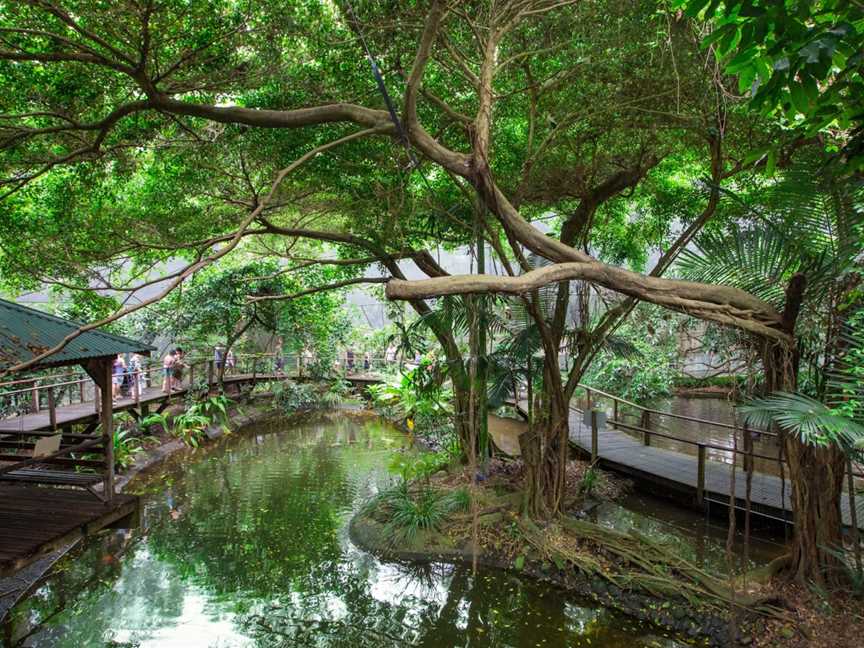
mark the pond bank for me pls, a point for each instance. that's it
(245, 542)
(706, 624)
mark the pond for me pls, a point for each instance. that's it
(246, 544)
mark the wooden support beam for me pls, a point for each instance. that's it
(108, 426)
(52, 409)
(595, 445)
(34, 400)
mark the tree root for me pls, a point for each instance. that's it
(640, 563)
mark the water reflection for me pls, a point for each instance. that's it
(246, 545)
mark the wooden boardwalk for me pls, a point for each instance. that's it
(677, 472)
(35, 521)
(83, 413)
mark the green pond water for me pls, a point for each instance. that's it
(246, 544)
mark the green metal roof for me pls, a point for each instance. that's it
(26, 332)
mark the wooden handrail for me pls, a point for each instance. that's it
(682, 417)
(53, 455)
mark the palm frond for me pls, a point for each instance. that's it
(812, 421)
(845, 373)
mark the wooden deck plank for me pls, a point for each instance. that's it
(35, 520)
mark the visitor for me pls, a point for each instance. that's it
(136, 375)
(390, 354)
(117, 370)
(167, 371)
(280, 359)
(177, 368)
(366, 362)
(218, 357)
(230, 361)
(349, 357)
(305, 360)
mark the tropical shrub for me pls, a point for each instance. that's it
(413, 395)
(290, 396)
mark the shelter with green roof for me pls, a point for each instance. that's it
(40, 466)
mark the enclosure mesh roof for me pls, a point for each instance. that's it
(26, 332)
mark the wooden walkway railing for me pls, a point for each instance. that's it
(742, 454)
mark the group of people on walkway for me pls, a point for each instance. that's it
(220, 357)
(127, 379)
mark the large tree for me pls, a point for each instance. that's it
(521, 105)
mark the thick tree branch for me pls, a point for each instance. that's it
(317, 289)
(722, 304)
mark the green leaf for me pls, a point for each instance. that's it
(800, 100)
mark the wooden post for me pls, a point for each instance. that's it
(254, 371)
(108, 427)
(587, 398)
(595, 450)
(210, 367)
(137, 383)
(34, 399)
(646, 427)
(52, 409)
(700, 477)
(748, 449)
(81, 389)
(614, 411)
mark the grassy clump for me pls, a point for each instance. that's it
(408, 512)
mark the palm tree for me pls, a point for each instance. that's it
(799, 250)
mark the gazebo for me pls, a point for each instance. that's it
(58, 485)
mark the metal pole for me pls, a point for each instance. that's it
(700, 477)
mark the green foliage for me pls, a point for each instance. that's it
(811, 420)
(127, 446)
(152, 421)
(417, 395)
(410, 513)
(799, 61)
(639, 364)
(290, 396)
(589, 481)
(190, 426)
(335, 394)
(410, 465)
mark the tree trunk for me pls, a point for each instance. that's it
(463, 413)
(817, 484)
(544, 452)
(816, 473)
